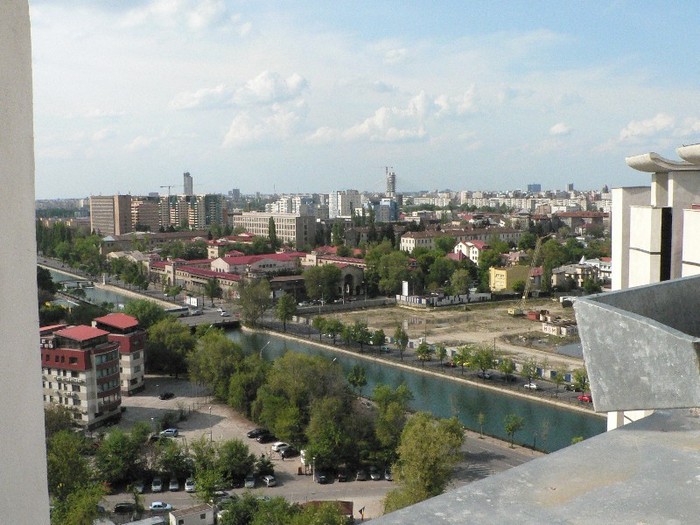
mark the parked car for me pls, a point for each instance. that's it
(361, 475)
(322, 478)
(139, 486)
(269, 480)
(157, 485)
(257, 432)
(531, 386)
(266, 438)
(387, 475)
(484, 375)
(288, 452)
(169, 433)
(279, 445)
(585, 398)
(160, 506)
(249, 481)
(125, 507)
(342, 476)
(166, 395)
(225, 314)
(174, 485)
(189, 485)
(374, 473)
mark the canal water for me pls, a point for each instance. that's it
(546, 427)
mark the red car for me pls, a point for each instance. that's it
(585, 398)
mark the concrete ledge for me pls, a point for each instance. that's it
(641, 346)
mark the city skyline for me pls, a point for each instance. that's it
(315, 97)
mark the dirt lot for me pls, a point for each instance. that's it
(487, 323)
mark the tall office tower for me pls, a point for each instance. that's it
(25, 498)
(390, 182)
(570, 186)
(534, 188)
(341, 203)
(235, 194)
(110, 215)
(187, 183)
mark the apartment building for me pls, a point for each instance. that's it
(502, 279)
(124, 329)
(110, 215)
(299, 230)
(80, 370)
(145, 214)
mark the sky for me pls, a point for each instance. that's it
(300, 96)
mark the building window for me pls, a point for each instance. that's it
(73, 360)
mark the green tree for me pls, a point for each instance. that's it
(80, 507)
(56, 419)
(168, 345)
(392, 408)
(212, 290)
(358, 378)
(328, 440)
(424, 352)
(507, 367)
(445, 244)
(319, 323)
(272, 234)
(401, 340)
(285, 309)
(255, 299)
(559, 378)
(428, 452)
(213, 361)
(118, 457)
(580, 379)
(147, 312)
(460, 281)
(463, 357)
(590, 286)
(440, 352)
(483, 358)
(529, 369)
(172, 458)
(235, 460)
(518, 286)
(250, 375)
(68, 469)
(512, 424)
(360, 334)
(377, 339)
(333, 327)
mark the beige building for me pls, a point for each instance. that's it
(124, 329)
(110, 215)
(502, 279)
(290, 228)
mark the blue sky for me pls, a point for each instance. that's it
(302, 96)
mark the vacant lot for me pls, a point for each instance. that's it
(487, 323)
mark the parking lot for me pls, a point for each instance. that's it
(211, 420)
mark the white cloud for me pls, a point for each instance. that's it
(269, 88)
(393, 124)
(206, 14)
(193, 15)
(459, 105)
(395, 56)
(647, 128)
(560, 129)
(690, 126)
(141, 143)
(103, 113)
(267, 124)
(204, 98)
(102, 134)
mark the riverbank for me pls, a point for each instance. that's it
(457, 379)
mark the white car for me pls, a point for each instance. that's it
(189, 485)
(269, 480)
(531, 386)
(279, 445)
(157, 485)
(157, 506)
(169, 433)
(249, 482)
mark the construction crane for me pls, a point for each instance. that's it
(520, 308)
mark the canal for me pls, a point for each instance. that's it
(546, 426)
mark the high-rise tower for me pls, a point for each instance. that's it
(187, 183)
(390, 182)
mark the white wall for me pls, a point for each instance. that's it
(23, 491)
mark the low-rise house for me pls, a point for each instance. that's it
(502, 279)
(197, 515)
(575, 274)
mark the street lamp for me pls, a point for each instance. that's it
(263, 348)
(313, 468)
